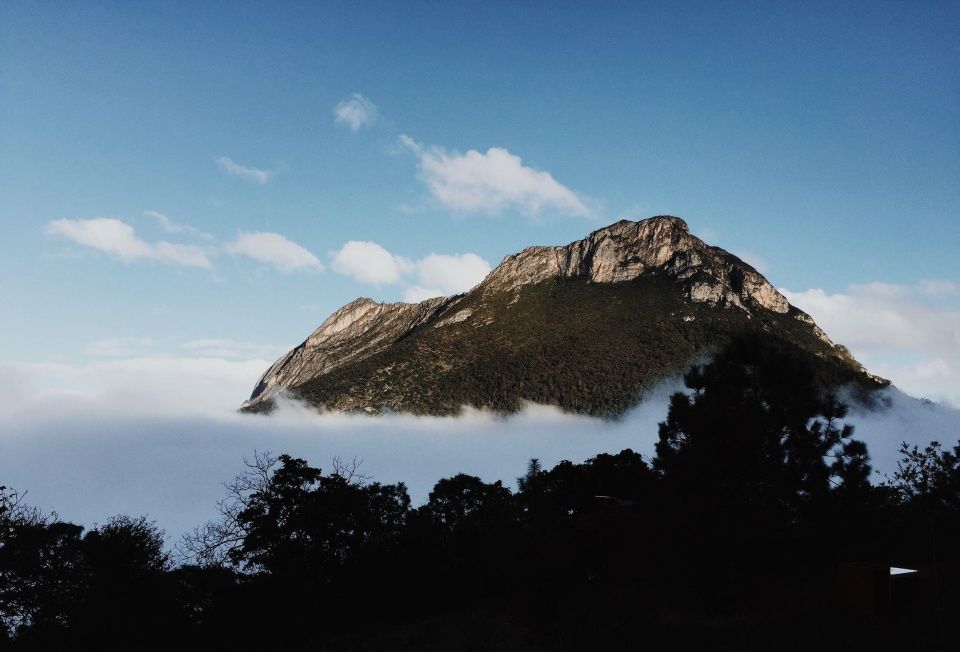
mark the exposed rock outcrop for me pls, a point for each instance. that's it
(357, 330)
(625, 250)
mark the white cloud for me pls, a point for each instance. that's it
(118, 347)
(256, 175)
(275, 250)
(356, 112)
(451, 274)
(368, 262)
(475, 182)
(418, 293)
(435, 274)
(118, 238)
(169, 226)
(905, 333)
(154, 384)
(938, 288)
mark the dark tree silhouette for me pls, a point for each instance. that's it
(534, 468)
(108, 587)
(303, 523)
(930, 477)
(212, 543)
(755, 432)
(465, 502)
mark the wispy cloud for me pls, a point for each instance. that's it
(169, 226)
(356, 112)
(476, 182)
(119, 347)
(434, 275)
(256, 175)
(231, 349)
(907, 333)
(757, 262)
(147, 348)
(275, 250)
(119, 239)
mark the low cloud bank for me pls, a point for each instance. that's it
(141, 447)
(907, 333)
(89, 461)
(905, 418)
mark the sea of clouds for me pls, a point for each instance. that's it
(159, 436)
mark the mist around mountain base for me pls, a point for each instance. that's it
(92, 457)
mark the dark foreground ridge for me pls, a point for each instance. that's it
(587, 327)
(753, 528)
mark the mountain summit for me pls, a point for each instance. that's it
(587, 327)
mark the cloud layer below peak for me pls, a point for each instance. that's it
(158, 435)
(907, 333)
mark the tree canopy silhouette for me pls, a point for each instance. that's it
(756, 432)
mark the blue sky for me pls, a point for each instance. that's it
(821, 140)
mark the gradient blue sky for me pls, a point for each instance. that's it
(821, 140)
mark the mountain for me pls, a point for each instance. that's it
(587, 327)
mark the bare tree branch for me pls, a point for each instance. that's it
(349, 471)
(210, 544)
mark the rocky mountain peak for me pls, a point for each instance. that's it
(627, 249)
(706, 288)
(651, 227)
(618, 252)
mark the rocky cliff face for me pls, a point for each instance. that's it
(355, 331)
(625, 250)
(425, 357)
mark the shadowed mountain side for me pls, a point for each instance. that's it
(587, 327)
